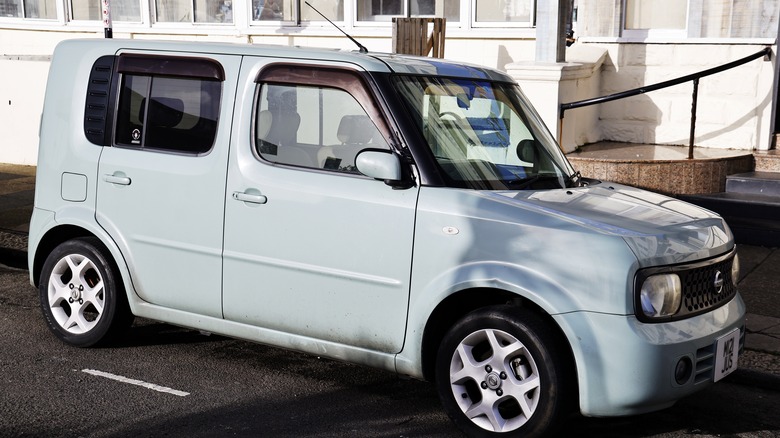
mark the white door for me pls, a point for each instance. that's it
(312, 247)
(161, 189)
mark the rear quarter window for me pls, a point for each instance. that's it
(169, 107)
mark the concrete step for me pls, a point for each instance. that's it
(767, 161)
(753, 218)
(759, 183)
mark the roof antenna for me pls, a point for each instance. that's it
(361, 47)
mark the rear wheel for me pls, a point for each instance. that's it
(82, 299)
(500, 371)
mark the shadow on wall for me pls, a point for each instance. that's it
(635, 119)
(503, 58)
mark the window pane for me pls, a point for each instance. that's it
(129, 119)
(314, 127)
(656, 14)
(172, 114)
(40, 9)
(272, 10)
(333, 9)
(125, 10)
(449, 9)
(504, 10)
(740, 18)
(214, 11)
(174, 11)
(121, 10)
(10, 8)
(379, 10)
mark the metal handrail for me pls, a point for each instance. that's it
(766, 52)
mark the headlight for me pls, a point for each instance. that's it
(660, 295)
(735, 270)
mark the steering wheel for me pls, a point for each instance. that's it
(457, 117)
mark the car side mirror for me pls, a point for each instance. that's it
(379, 164)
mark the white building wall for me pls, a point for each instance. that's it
(734, 107)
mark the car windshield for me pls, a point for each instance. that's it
(484, 135)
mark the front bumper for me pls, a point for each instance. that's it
(627, 367)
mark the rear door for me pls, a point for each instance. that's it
(161, 187)
(312, 247)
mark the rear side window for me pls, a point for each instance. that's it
(169, 104)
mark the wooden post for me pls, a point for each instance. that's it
(410, 36)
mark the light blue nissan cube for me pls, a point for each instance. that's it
(408, 214)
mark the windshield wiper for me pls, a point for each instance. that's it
(522, 183)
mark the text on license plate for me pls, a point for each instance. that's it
(726, 354)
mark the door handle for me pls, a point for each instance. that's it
(254, 198)
(116, 179)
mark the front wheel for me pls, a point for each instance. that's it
(82, 299)
(500, 372)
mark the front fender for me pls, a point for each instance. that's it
(521, 281)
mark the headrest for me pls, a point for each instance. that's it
(264, 120)
(355, 129)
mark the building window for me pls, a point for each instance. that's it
(739, 19)
(333, 9)
(385, 10)
(502, 12)
(642, 19)
(46, 9)
(273, 10)
(656, 14)
(194, 11)
(121, 10)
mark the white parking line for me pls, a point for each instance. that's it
(136, 382)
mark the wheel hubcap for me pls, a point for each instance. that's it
(76, 294)
(494, 380)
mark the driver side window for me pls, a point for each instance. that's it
(312, 126)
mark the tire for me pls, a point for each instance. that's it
(81, 293)
(501, 372)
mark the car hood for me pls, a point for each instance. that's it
(658, 229)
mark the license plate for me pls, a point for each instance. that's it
(726, 354)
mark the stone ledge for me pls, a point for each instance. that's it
(767, 161)
(661, 168)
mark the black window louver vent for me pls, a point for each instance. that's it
(96, 126)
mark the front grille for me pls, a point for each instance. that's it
(699, 292)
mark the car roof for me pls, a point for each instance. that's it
(374, 62)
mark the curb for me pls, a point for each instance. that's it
(755, 379)
(13, 258)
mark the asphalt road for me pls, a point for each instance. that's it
(167, 381)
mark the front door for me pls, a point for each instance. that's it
(312, 247)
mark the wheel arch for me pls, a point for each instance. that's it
(50, 240)
(458, 305)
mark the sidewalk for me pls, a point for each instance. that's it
(759, 282)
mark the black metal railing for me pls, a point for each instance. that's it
(766, 52)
